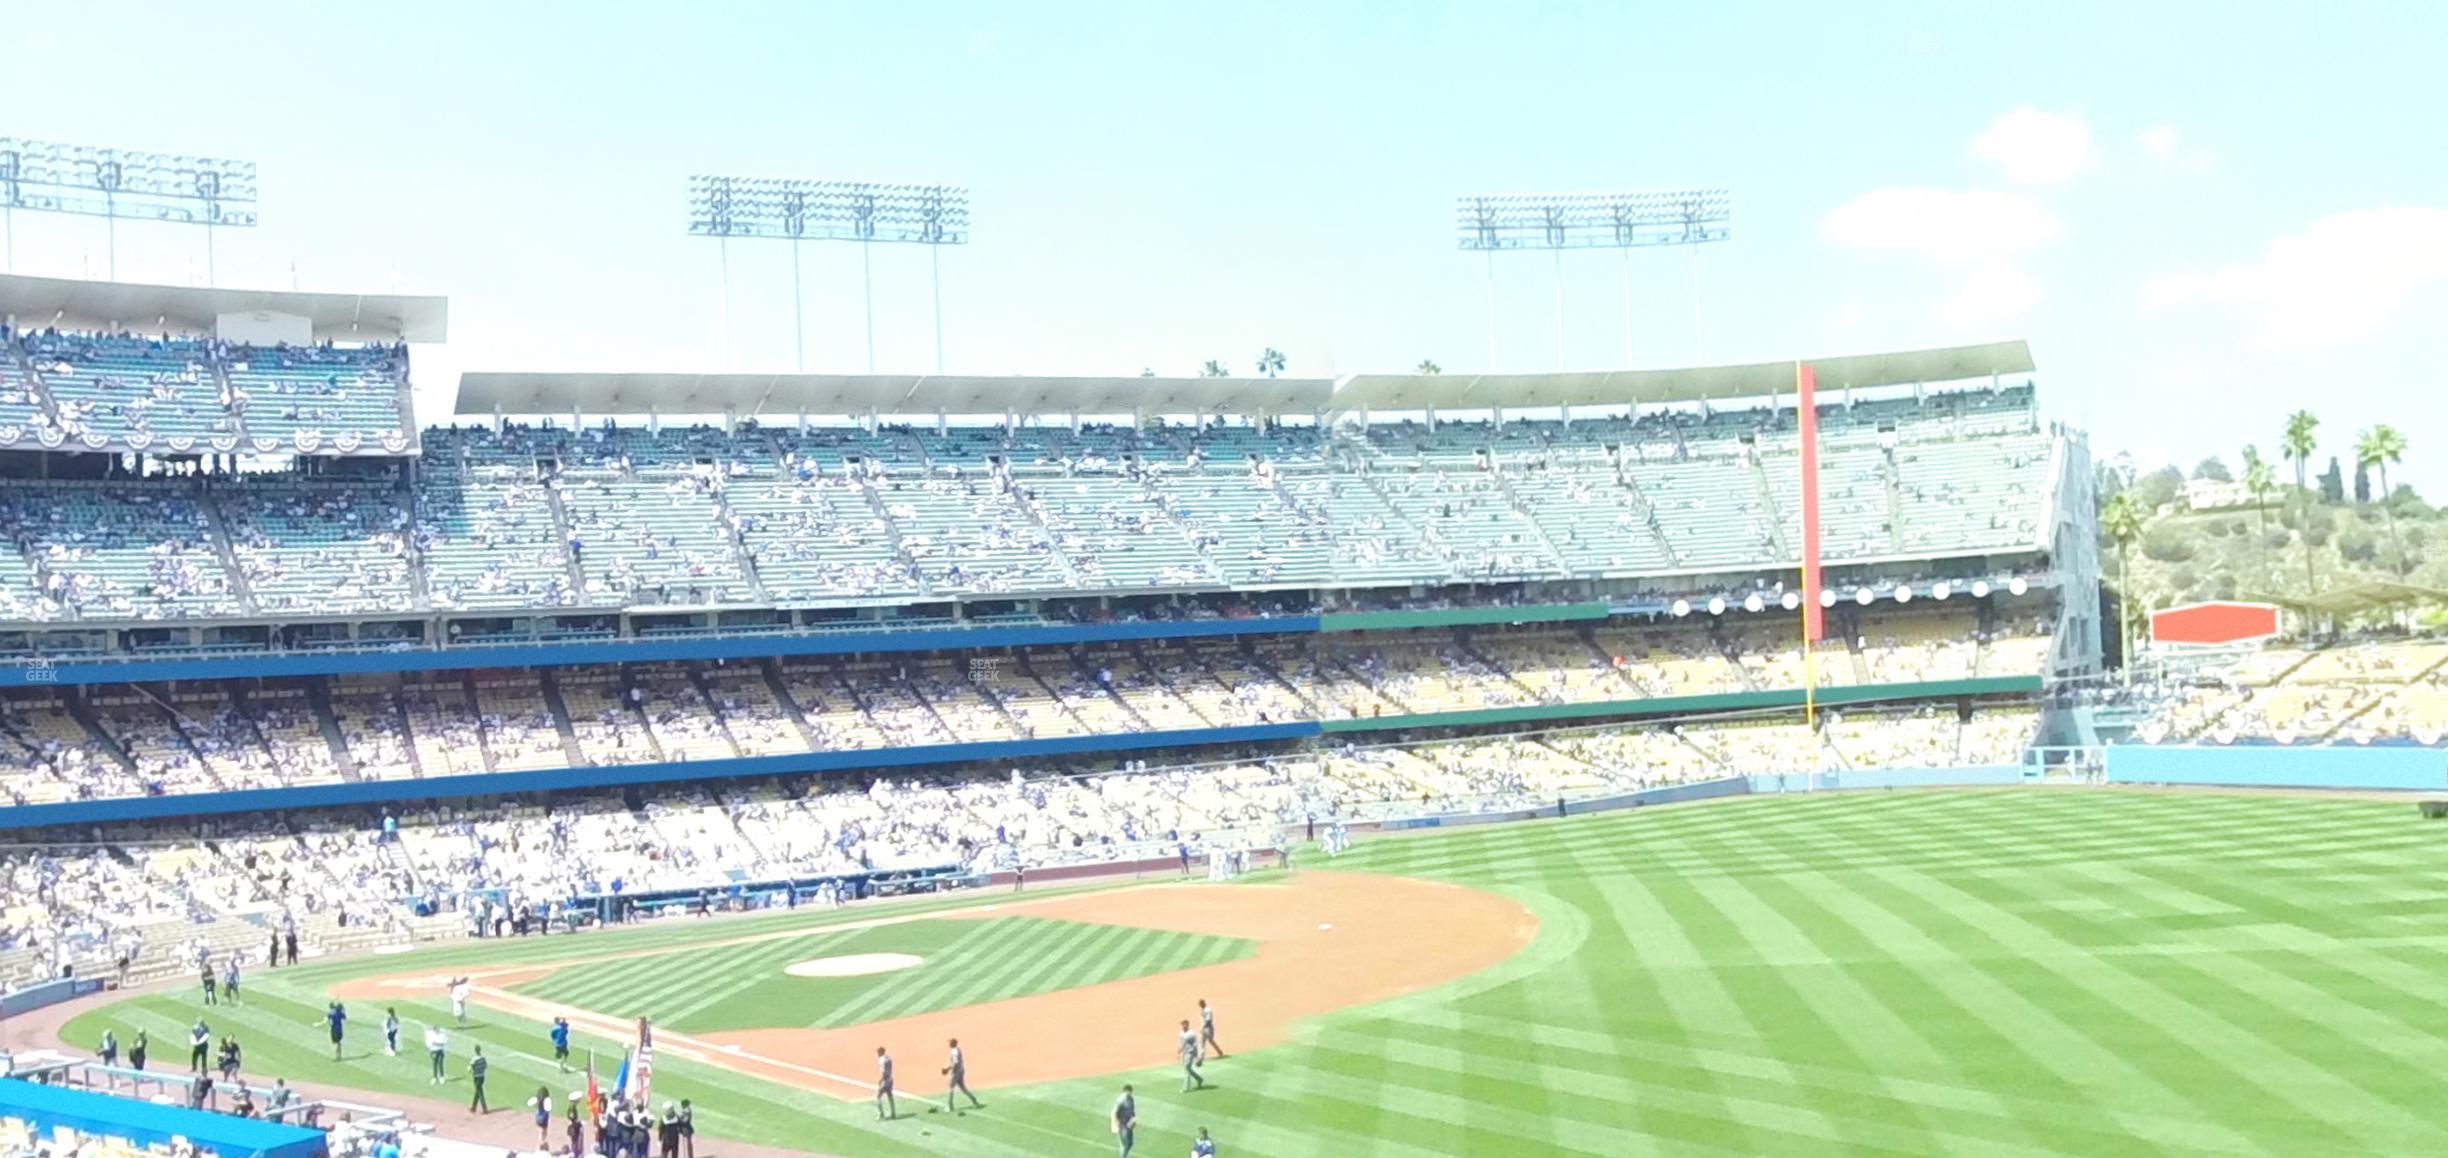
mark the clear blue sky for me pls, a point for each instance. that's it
(2201, 215)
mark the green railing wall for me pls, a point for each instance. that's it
(1697, 705)
(1462, 617)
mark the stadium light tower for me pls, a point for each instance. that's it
(113, 183)
(1621, 221)
(931, 215)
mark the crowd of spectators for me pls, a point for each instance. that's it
(350, 870)
(2360, 690)
(211, 736)
(608, 516)
(142, 392)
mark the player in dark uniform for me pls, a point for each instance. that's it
(1126, 1120)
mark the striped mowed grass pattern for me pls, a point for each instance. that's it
(967, 962)
(2038, 972)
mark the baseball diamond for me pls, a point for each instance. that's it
(1920, 973)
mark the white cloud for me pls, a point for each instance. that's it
(1946, 226)
(2342, 278)
(1997, 291)
(2036, 148)
(2161, 144)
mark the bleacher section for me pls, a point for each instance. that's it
(207, 736)
(191, 395)
(2364, 692)
(612, 517)
(85, 903)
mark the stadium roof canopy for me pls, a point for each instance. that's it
(1710, 383)
(36, 301)
(750, 395)
(2364, 599)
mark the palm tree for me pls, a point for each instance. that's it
(2121, 518)
(2377, 448)
(2260, 480)
(1427, 367)
(1214, 369)
(1271, 362)
(2298, 443)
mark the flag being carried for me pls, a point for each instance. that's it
(595, 1099)
(645, 1063)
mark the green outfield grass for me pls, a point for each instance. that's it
(967, 963)
(1990, 973)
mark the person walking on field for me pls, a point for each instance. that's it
(560, 1042)
(1207, 1037)
(477, 1065)
(337, 1017)
(886, 1108)
(1126, 1120)
(199, 1045)
(958, 1071)
(1190, 1058)
(436, 1044)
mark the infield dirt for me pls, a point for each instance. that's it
(1325, 941)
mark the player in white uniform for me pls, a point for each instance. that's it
(886, 1107)
(957, 1070)
(1190, 1058)
(1207, 1037)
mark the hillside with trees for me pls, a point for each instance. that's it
(2314, 518)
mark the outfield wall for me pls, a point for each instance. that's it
(1969, 776)
(2273, 766)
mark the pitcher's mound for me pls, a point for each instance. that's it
(854, 965)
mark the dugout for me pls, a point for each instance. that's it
(50, 1109)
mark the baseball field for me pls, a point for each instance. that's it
(1993, 973)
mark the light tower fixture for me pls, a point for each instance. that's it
(48, 177)
(1489, 223)
(794, 211)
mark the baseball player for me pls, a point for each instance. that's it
(1202, 1146)
(459, 994)
(1207, 1037)
(958, 1071)
(1125, 1119)
(1190, 1058)
(335, 1017)
(886, 1108)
